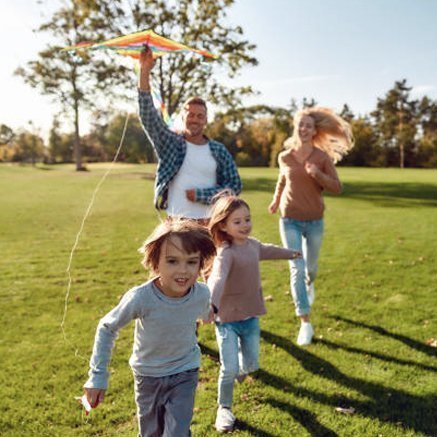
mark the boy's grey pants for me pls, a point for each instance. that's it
(165, 404)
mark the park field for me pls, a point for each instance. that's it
(374, 354)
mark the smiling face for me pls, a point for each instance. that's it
(194, 118)
(177, 269)
(306, 128)
(238, 225)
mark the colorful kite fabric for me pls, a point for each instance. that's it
(132, 44)
(160, 105)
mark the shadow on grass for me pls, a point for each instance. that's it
(205, 350)
(376, 355)
(432, 352)
(307, 419)
(240, 425)
(385, 403)
(388, 194)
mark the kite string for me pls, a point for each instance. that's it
(76, 242)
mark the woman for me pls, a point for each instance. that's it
(306, 169)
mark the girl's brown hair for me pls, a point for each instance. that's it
(222, 209)
(193, 236)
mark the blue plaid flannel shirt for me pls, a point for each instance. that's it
(171, 148)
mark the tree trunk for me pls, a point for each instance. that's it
(401, 155)
(77, 146)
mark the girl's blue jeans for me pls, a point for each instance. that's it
(306, 237)
(238, 344)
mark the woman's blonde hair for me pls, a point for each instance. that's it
(333, 133)
(222, 209)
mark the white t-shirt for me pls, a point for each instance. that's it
(197, 171)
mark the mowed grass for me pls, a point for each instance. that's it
(374, 313)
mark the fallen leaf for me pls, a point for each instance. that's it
(350, 410)
(431, 342)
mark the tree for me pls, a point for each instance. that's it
(60, 145)
(72, 80)
(6, 138)
(6, 135)
(105, 136)
(395, 118)
(28, 146)
(426, 154)
(254, 134)
(366, 151)
(201, 24)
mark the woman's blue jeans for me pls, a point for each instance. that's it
(238, 344)
(306, 237)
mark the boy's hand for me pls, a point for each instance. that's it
(296, 254)
(95, 396)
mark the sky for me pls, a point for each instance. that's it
(335, 51)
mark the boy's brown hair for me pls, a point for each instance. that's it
(194, 238)
(222, 209)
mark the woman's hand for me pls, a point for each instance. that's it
(273, 207)
(311, 169)
(95, 396)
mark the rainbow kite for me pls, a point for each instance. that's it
(132, 45)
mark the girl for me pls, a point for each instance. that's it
(166, 356)
(306, 169)
(237, 299)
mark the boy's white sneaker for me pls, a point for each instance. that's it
(311, 293)
(306, 333)
(225, 420)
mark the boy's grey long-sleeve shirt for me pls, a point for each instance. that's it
(165, 341)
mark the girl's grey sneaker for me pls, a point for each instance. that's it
(225, 420)
(306, 333)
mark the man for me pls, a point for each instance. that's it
(192, 169)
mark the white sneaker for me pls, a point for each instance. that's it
(311, 293)
(306, 333)
(225, 420)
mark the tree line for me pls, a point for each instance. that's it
(400, 131)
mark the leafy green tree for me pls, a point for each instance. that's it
(79, 81)
(366, 151)
(346, 113)
(253, 134)
(6, 134)
(28, 147)
(201, 24)
(73, 80)
(136, 146)
(60, 144)
(6, 139)
(427, 144)
(395, 120)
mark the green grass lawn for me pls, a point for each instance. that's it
(374, 312)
